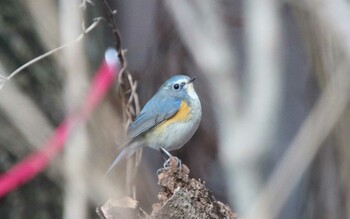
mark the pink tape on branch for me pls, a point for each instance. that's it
(36, 162)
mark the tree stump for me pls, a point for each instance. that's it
(180, 197)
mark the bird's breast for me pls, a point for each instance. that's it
(177, 130)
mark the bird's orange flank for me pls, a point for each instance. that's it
(181, 115)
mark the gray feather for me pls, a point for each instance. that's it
(155, 112)
(126, 152)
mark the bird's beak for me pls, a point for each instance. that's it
(192, 80)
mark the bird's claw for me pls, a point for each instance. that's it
(166, 164)
(159, 170)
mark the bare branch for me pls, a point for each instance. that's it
(85, 3)
(130, 104)
(321, 120)
(111, 21)
(80, 37)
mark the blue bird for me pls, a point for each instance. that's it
(167, 121)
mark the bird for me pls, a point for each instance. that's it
(166, 122)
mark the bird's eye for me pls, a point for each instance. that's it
(176, 86)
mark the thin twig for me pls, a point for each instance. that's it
(85, 3)
(80, 37)
(110, 17)
(127, 91)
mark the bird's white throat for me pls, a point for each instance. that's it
(191, 92)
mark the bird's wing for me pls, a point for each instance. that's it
(154, 112)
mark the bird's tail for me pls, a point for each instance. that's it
(127, 151)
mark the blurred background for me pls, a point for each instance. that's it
(272, 77)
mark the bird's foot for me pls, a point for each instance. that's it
(169, 163)
(160, 170)
(169, 159)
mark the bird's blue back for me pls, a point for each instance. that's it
(158, 109)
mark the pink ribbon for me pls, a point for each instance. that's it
(36, 162)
